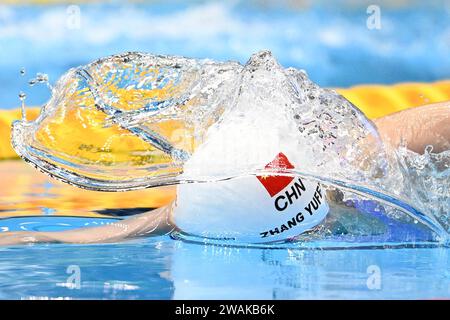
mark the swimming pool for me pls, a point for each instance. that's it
(164, 268)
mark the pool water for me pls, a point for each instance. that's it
(163, 268)
(337, 50)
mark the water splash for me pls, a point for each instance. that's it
(136, 120)
(22, 97)
(427, 182)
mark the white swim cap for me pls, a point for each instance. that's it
(251, 209)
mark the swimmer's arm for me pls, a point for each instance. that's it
(418, 127)
(153, 222)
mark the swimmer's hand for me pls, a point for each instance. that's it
(154, 222)
(418, 128)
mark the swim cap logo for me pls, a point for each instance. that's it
(275, 184)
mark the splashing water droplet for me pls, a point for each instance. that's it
(42, 77)
(428, 149)
(138, 120)
(22, 97)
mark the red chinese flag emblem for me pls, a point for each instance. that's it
(274, 184)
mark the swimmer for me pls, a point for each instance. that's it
(417, 127)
